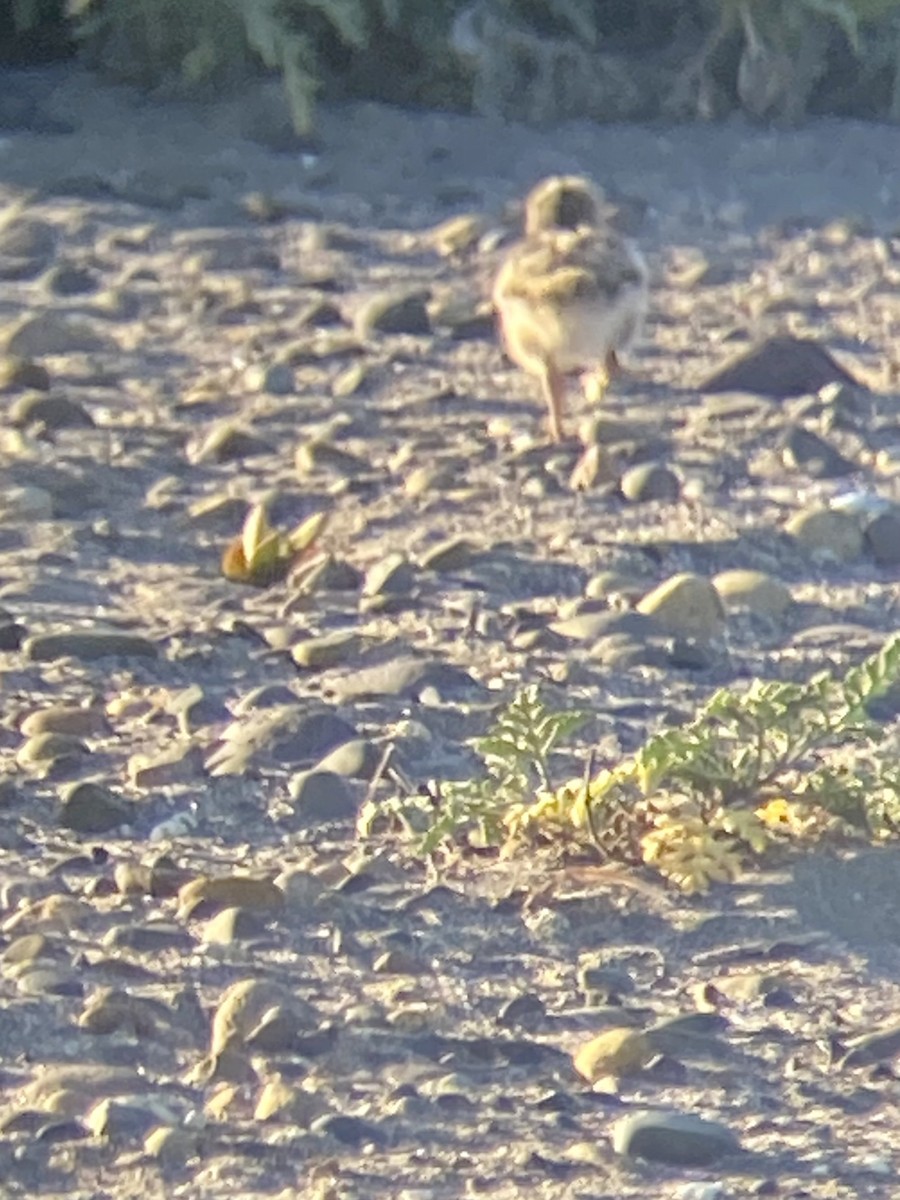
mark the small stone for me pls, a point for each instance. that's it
(356, 759)
(780, 367)
(392, 575)
(279, 1030)
(232, 925)
(870, 1049)
(609, 584)
(678, 1139)
(393, 312)
(44, 749)
(170, 1146)
(55, 333)
(464, 315)
(349, 1131)
(52, 412)
(320, 455)
(411, 678)
(276, 379)
(321, 653)
(754, 591)
(882, 536)
(87, 646)
(120, 1119)
(27, 948)
(448, 556)
(650, 481)
(42, 979)
(803, 450)
(526, 1012)
(240, 1009)
(18, 374)
(179, 763)
(111, 1011)
(350, 380)
(27, 246)
(327, 574)
(208, 895)
(686, 605)
(92, 809)
(68, 719)
(397, 962)
(279, 1100)
(322, 796)
(66, 279)
(431, 478)
(25, 504)
(613, 1053)
(226, 443)
(151, 937)
(827, 534)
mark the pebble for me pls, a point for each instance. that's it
(392, 312)
(88, 646)
(677, 1139)
(804, 450)
(827, 535)
(779, 367)
(91, 808)
(322, 653)
(320, 796)
(50, 411)
(613, 1053)
(686, 605)
(882, 538)
(753, 591)
(54, 333)
(207, 895)
(650, 481)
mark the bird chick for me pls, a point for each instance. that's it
(572, 293)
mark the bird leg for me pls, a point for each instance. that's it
(554, 386)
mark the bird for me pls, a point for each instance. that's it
(572, 293)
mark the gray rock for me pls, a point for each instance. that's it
(805, 451)
(392, 575)
(409, 678)
(67, 279)
(882, 536)
(780, 367)
(55, 333)
(650, 481)
(678, 1139)
(826, 534)
(27, 247)
(356, 759)
(321, 796)
(92, 808)
(394, 312)
(686, 605)
(88, 646)
(53, 412)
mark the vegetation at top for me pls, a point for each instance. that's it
(533, 60)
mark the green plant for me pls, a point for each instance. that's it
(260, 555)
(775, 757)
(778, 759)
(196, 42)
(516, 763)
